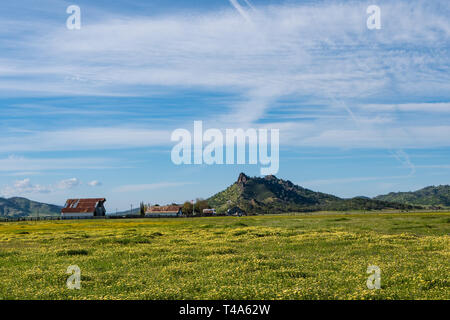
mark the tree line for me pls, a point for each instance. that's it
(188, 207)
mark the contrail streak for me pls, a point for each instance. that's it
(400, 155)
(241, 10)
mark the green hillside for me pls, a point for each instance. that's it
(429, 196)
(273, 195)
(22, 207)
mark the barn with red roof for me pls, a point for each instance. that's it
(93, 207)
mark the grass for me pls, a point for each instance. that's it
(261, 257)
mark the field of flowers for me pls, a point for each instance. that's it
(323, 256)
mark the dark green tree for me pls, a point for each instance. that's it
(142, 209)
(187, 208)
(201, 204)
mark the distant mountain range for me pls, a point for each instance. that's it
(273, 195)
(22, 207)
(136, 211)
(429, 196)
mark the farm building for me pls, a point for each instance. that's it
(84, 208)
(164, 211)
(236, 211)
(209, 212)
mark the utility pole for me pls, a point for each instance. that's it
(131, 209)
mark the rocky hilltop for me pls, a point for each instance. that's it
(272, 195)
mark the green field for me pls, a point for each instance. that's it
(260, 257)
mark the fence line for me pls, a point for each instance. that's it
(50, 218)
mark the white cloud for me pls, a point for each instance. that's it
(25, 183)
(95, 183)
(68, 183)
(23, 187)
(26, 187)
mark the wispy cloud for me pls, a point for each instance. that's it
(434, 166)
(85, 139)
(150, 186)
(309, 50)
(404, 158)
(321, 182)
(344, 135)
(322, 51)
(21, 165)
(241, 10)
(437, 107)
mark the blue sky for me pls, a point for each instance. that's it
(89, 112)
